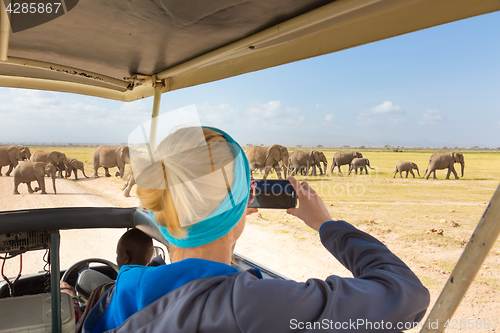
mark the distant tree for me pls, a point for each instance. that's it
(346, 146)
(249, 145)
(298, 146)
(319, 146)
(387, 146)
(362, 147)
(262, 145)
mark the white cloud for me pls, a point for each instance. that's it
(329, 117)
(323, 107)
(386, 108)
(397, 121)
(270, 110)
(431, 117)
(44, 116)
(214, 115)
(364, 121)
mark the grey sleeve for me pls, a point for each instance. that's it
(384, 295)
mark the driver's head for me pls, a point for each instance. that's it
(134, 248)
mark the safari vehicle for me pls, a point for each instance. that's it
(128, 50)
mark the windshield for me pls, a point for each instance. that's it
(397, 100)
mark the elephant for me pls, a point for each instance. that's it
(405, 166)
(25, 152)
(9, 155)
(75, 165)
(300, 161)
(360, 163)
(128, 186)
(268, 157)
(439, 161)
(341, 158)
(57, 159)
(27, 172)
(110, 157)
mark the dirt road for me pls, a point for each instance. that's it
(75, 245)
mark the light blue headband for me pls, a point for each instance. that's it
(228, 214)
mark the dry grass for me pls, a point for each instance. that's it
(400, 211)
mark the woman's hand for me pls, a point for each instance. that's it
(312, 209)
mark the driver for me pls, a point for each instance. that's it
(133, 248)
(201, 292)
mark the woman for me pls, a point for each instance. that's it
(200, 206)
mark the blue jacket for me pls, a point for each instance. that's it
(203, 296)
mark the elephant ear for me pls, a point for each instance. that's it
(284, 153)
(274, 153)
(73, 163)
(49, 169)
(53, 158)
(124, 153)
(316, 156)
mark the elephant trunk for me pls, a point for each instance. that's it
(54, 182)
(463, 167)
(285, 168)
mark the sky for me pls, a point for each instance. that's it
(432, 88)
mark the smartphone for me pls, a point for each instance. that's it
(273, 194)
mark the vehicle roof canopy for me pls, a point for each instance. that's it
(115, 49)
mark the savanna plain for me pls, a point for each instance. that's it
(400, 212)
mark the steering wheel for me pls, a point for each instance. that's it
(82, 265)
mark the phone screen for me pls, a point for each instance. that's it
(274, 194)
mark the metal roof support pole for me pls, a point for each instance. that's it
(4, 31)
(158, 85)
(55, 276)
(480, 244)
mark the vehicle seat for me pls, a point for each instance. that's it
(33, 313)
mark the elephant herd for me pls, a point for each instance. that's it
(27, 167)
(277, 157)
(438, 161)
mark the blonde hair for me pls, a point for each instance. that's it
(186, 199)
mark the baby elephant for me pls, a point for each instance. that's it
(27, 172)
(405, 166)
(73, 166)
(360, 163)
